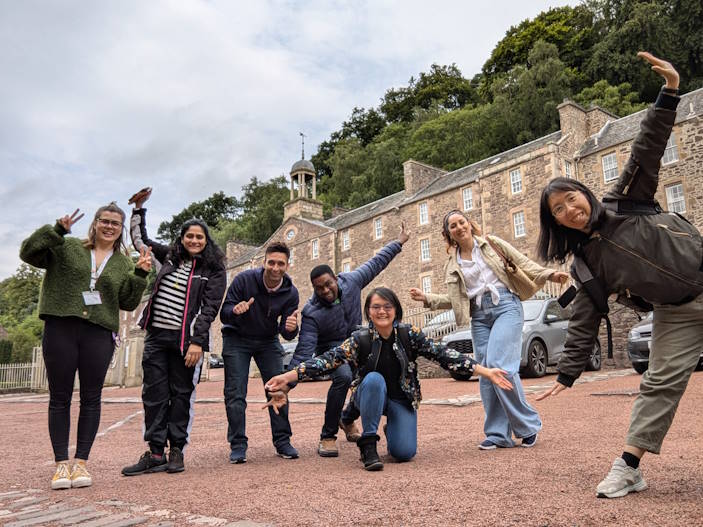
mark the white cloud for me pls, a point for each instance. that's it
(101, 98)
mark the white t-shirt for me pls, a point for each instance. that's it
(479, 278)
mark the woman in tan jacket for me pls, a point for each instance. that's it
(478, 291)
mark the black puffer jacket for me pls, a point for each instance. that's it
(204, 293)
(657, 257)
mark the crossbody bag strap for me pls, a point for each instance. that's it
(509, 265)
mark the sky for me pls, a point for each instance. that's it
(99, 99)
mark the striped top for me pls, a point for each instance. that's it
(169, 302)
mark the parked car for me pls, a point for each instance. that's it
(543, 337)
(288, 351)
(639, 342)
(215, 361)
(440, 325)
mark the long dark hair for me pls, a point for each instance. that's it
(119, 244)
(389, 296)
(557, 242)
(212, 255)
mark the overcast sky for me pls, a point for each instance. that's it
(99, 99)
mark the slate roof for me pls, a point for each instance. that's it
(626, 128)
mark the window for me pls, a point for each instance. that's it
(290, 258)
(427, 284)
(346, 267)
(671, 154)
(674, 198)
(610, 167)
(290, 234)
(515, 181)
(424, 216)
(425, 250)
(519, 224)
(345, 240)
(378, 228)
(567, 169)
(468, 199)
(315, 249)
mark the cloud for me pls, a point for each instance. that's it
(194, 97)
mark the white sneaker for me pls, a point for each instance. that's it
(80, 477)
(62, 477)
(620, 481)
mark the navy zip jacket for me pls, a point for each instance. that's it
(266, 317)
(326, 325)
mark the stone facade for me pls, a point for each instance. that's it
(500, 193)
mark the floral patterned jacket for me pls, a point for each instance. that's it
(363, 361)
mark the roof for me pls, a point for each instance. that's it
(302, 165)
(626, 128)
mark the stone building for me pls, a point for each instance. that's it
(501, 193)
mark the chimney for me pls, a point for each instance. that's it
(418, 175)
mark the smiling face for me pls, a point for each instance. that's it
(108, 227)
(570, 209)
(381, 313)
(275, 266)
(459, 229)
(326, 288)
(194, 240)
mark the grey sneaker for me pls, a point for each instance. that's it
(620, 481)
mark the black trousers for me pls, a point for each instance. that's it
(71, 344)
(168, 392)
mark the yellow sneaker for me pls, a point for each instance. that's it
(62, 476)
(80, 477)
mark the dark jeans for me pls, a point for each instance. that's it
(237, 353)
(71, 344)
(168, 392)
(336, 395)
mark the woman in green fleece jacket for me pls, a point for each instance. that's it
(86, 284)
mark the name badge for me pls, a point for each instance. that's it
(92, 298)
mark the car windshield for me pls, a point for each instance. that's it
(532, 308)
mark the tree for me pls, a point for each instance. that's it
(620, 100)
(213, 210)
(19, 294)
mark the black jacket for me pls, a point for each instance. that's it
(205, 289)
(656, 257)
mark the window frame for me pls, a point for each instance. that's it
(672, 204)
(378, 228)
(615, 169)
(425, 244)
(470, 200)
(515, 182)
(520, 213)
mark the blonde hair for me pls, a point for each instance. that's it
(119, 244)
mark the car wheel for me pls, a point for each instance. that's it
(457, 376)
(536, 359)
(640, 367)
(594, 361)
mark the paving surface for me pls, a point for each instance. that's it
(450, 482)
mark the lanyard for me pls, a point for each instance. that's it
(95, 273)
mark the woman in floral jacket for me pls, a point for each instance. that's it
(384, 356)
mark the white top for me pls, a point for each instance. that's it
(479, 278)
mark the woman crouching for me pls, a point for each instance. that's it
(384, 357)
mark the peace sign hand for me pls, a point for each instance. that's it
(663, 68)
(144, 261)
(67, 221)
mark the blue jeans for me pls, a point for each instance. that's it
(237, 353)
(497, 340)
(372, 401)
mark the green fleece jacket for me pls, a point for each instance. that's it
(67, 264)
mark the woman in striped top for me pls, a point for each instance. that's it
(185, 299)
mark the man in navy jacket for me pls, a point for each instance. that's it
(329, 317)
(260, 304)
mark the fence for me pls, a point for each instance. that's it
(24, 376)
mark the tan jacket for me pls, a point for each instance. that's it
(456, 297)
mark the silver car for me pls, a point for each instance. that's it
(543, 337)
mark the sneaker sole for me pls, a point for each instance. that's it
(81, 483)
(175, 470)
(286, 456)
(483, 447)
(327, 453)
(637, 487)
(61, 485)
(374, 467)
(238, 461)
(153, 470)
(530, 445)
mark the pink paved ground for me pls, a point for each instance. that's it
(450, 482)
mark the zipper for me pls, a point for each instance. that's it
(675, 233)
(626, 188)
(658, 267)
(185, 308)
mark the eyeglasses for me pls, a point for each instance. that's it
(110, 223)
(559, 210)
(384, 307)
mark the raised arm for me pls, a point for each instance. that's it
(365, 273)
(36, 250)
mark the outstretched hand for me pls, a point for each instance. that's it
(417, 295)
(139, 197)
(497, 377)
(404, 235)
(67, 221)
(663, 68)
(556, 388)
(277, 401)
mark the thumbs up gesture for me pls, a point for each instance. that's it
(243, 306)
(292, 321)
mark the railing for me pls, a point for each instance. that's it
(24, 376)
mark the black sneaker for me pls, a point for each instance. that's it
(287, 451)
(175, 460)
(147, 464)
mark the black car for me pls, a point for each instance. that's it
(639, 342)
